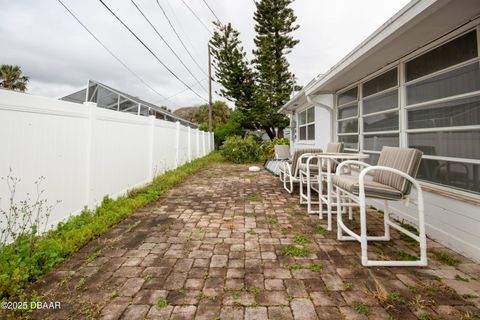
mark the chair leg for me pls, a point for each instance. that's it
(386, 220)
(339, 216)
(363, 231)
(320, 193)
(300, 191)
(350, 211)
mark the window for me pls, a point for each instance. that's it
(439, 115)
(306, 124)
(380, 116)
(446, 124)
(347, 115)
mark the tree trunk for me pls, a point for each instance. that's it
(280, 133)
(270, 133)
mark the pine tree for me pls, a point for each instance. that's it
(232, 71)
(275, 21)
(258, 89)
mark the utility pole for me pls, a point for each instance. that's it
(209, 91)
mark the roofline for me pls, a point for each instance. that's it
(141, 101)
(409, 11)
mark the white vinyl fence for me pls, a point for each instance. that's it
(85, 152)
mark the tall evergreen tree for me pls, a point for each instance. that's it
(275, 21)
(260, 88)
(232, 71)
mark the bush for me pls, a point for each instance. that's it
(225, 130)
(21, 263)
(241, 150)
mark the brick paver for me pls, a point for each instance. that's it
(213, 248)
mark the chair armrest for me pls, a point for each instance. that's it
(344, 163)
(361, 181)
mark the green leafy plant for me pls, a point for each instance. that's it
(241, 150)
(347, 286)
(162, 303)
(254, 197)
(301, 239)
(295, 251)
(403, 256)
(316, 268)
(460, 278)
(361, 308)
(445, 258)
(148, 277)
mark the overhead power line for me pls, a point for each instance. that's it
(111, 53)
(151, 52)
(180, 39)
(166, 42)
(209, 8)
(196, 16)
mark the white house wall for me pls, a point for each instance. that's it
(323, 130)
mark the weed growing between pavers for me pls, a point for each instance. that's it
(445, 258)
(295, 251)
(361, 308)
(301, 239)
(19, 267)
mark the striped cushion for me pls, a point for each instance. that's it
(313, 167)
(404, 159)
(372, 189)
(298, 154)
(334, 148)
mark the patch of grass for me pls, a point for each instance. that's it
(301, 239)
(273, 221)
(148, 277)
(403, 256)
(394, 296)
(254, 290)
(361, 308)
(295, 251)
(316, 267)
(321, 230)
(460, 278)
(426, 316)
(80, 283)
(92, 257)
(162, 303)
(445, 258)
(469, 296)
(19, 266)
(412, 290)
(296, 266)
(114, 294)
(251, 232)
(347, 286)
(205, 275)
(254, 197)
(410, 228)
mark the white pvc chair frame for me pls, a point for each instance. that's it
(315, 182)
(286, 176)
(363, 238)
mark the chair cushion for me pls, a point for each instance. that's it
(334, 147)
(372, 189)
(298, 153)
(313, 167)
(406, 160)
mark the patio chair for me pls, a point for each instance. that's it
(289, 172)
(282, 151)
(282, 154)
(309, 176)
(393, 177)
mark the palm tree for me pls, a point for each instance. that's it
(11, 78)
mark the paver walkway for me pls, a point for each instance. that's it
(213, 248)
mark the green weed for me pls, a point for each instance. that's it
(295, 251)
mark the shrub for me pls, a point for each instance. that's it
(241, 150)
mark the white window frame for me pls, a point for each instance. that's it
(306, 124)
(403, 108)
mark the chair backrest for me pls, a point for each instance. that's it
(334, 147)
(406, 160)
(298, 153)
(282, 151)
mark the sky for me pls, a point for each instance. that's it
(60, 56)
